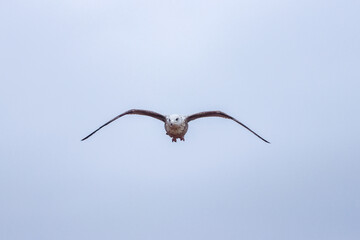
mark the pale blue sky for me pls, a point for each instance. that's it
(288, 69)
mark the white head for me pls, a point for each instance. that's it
(174, 120)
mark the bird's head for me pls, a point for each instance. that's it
(174, 120)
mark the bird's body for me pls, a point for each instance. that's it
(176, 125)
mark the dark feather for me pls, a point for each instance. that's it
(132, 111)
(223, 115)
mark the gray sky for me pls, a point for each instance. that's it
(288, 69)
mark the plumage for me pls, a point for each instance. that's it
(176, 125)
(223, 115)
(132, 111)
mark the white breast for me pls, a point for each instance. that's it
(178, 130)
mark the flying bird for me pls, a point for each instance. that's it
(176, 125)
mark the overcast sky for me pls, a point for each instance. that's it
(288, 69)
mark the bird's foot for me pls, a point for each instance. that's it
(173, 139)
(182, 139)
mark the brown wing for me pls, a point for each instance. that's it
(220, 114)
(132, 111)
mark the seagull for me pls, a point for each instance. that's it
(176, 125)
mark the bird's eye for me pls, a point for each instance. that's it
(177, 119)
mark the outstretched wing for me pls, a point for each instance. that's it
(220, 114)
(132, 111)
